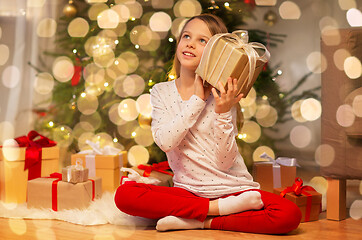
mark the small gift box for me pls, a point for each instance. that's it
(22, 159)
(51, 192)
(155, 174)
(305, 197)
(274, 173)
(75, 173)
(104, 163)
(230, 54)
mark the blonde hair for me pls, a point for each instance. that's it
(215, 25)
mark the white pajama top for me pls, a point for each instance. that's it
(200, 144)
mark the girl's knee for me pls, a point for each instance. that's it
(123, 198)
(290, 219)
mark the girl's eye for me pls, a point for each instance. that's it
(186, 36)
(203, 41)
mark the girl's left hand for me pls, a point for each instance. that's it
(226, 100)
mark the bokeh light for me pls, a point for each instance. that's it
(345, 116)
(104, 139)
(154, 44)
(46, 28)
(96, 9)
(187, 8)
(354, 17)
(357, 105)
(93, 74)
(250, 131)
(265, 2)
(87, 104)
(78, 27)
(17, 226)
(82, 140)
(118, 86)
(131, 59)
(94, 120)
(114, 116)
(35, 3)
(162, 4)
(144, 121)
(143, 136)
(160, 22)
(143, 104)
(296, 111)
(5, 53)
(316, 62)
(177, 26)
(135, 9)
(347, 4)
(327, 22)
(11, 150)
(44, 83)
(324, 155)
(122, 11)
(339, 57)
(127, 109)
(266, 115)
(11, 76)
(63, 135)
(127, 129)
(289, 10)
(141, 35)
(355, 210)
(63, 69)
(138, 155)
(133, 85)
(108, 19)
(319, 183)
(331, 36)
(311, 109)
(82, 127)
(260, 150)
(118, 68)
(249, 111)
(249, 99)
(300, 136)
(352, 67)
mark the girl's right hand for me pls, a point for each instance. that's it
(199, 89)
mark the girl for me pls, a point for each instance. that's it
(196, 127)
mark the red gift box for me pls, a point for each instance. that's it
(305, 197)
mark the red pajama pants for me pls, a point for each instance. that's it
(278, 216)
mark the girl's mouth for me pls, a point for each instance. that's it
(188, 54)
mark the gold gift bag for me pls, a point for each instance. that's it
(230, 54)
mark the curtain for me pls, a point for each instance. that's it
(25, 32)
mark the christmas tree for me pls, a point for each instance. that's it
(110, 55)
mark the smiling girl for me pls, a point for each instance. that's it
(196, 126)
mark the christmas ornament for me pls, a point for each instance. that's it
(270, 18)
(70, 10)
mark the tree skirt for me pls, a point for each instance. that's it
(101, 211)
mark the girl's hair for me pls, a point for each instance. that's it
(215, 25)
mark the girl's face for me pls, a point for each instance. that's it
(192, 43)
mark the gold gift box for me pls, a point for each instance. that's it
(69, 195)
(225, 59)
(107, 167)
(166, 180)
(73, 175)
(13, 178)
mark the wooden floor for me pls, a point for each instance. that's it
(348, 229)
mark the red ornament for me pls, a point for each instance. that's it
(77, 72)
(250, 2)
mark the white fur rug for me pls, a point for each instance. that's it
(101, 211)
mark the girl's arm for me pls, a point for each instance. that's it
(225, 131)
(168, 130)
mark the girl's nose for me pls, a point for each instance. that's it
(191, 44)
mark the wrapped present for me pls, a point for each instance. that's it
(104, 163)
(230, 54)
(52, 192)
(22, 159)
(274, 173)
(305, 197)
(75, 173)
(156, 174)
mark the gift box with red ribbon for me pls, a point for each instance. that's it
(52, 192)
(25, 158)
(159, 171)
(305, 197)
